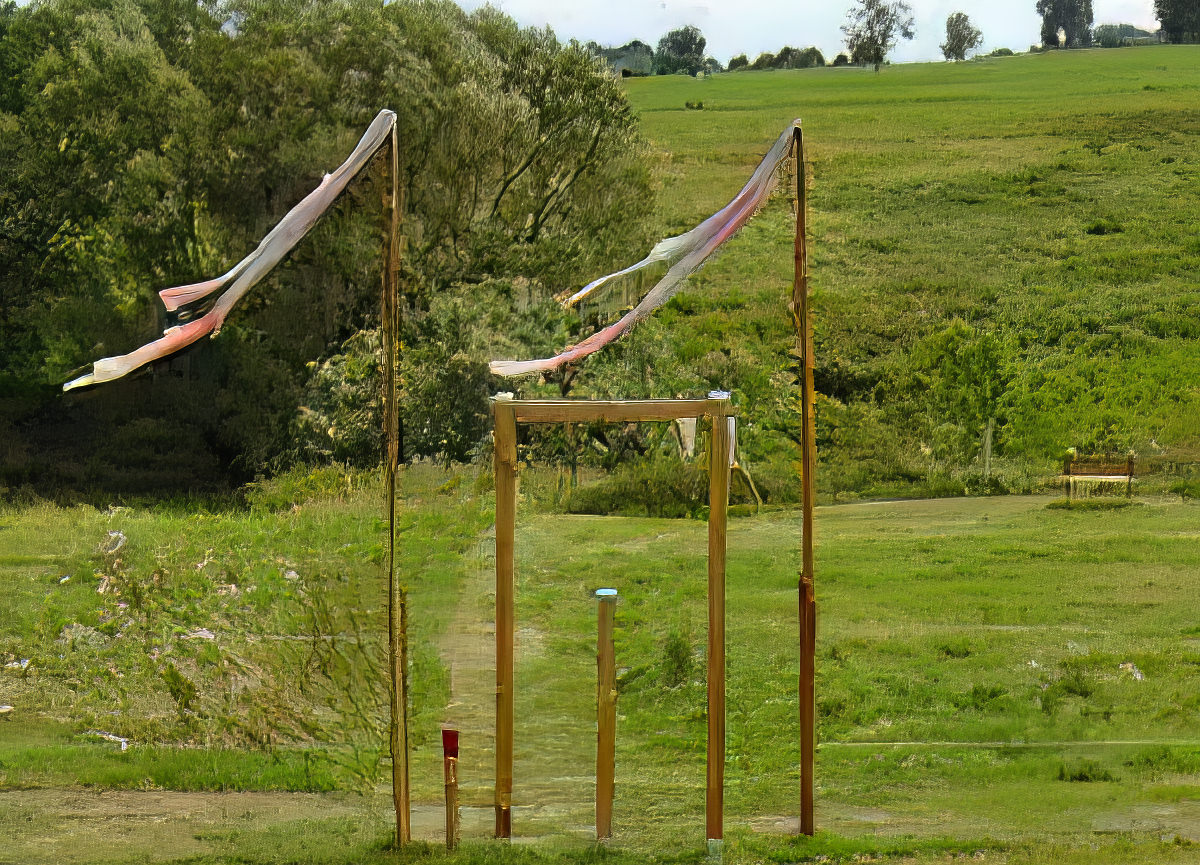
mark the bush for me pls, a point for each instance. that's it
(1086, 772)
(676, 660)
(661, 488)
(1187, 489)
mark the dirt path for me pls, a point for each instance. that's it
(468, 648)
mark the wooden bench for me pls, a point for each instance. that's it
(1098, 469)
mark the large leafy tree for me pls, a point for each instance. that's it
(961, 37)
(1180, 19)
(873, 27)
(147, 143)
(680, 50)
(1073, 17)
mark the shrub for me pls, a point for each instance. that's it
(1086, 772)
(676, 660)
(1187, 489)
(660, 488)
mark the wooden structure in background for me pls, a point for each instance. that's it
(1099, 470)
(508, 413)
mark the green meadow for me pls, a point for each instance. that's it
(997, 680)
(1010, 238)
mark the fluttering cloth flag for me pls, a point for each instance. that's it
(685, 253)
(247, 272)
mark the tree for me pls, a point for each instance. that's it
(681, 50)
(1073, 17)
(766, 60)
(1180, 19)
(738, 62)
(147, 143)
(872, 28)
(961, 37)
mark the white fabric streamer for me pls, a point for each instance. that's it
(686, 252)
(247, 272)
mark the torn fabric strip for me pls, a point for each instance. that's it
(246, 273)
(686, 253)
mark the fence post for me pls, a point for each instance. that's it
(450, 773)
(718, 504)
(506, 515)
(606, 712)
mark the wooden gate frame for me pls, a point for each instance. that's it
(508, 413)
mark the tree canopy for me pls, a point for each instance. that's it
(680, 50)
(1073, 17)
(961, 37)
(1180, 19)
(148, 144)
(872, 28)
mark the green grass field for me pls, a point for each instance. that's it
(998, 681)
(995, 678)
(1047, 202)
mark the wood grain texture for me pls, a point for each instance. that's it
(718, 503)
(506, 520)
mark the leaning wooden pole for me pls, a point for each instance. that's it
(718, 502)
(505, 458)
(807, 598)
(397, 595)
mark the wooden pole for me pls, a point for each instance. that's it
(806, 594)
(718, 503)
(506, 510)
(450, 774)
(397, 595)
(606, 712)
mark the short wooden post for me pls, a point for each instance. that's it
(506, 510)
(718, 503)
(606, 712)
(806, 594)
(450, 774)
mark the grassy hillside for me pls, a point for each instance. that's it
(1011, 238)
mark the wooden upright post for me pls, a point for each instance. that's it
(718, 503)
(606, 712)
(506, 511)
(450, 777)
(397, 596)
(806, 594)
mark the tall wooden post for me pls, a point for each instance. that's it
(506, 511)
(397, 596)
(718, 503)
(806, 595)
(606, 712)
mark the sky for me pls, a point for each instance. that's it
(752, 26)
